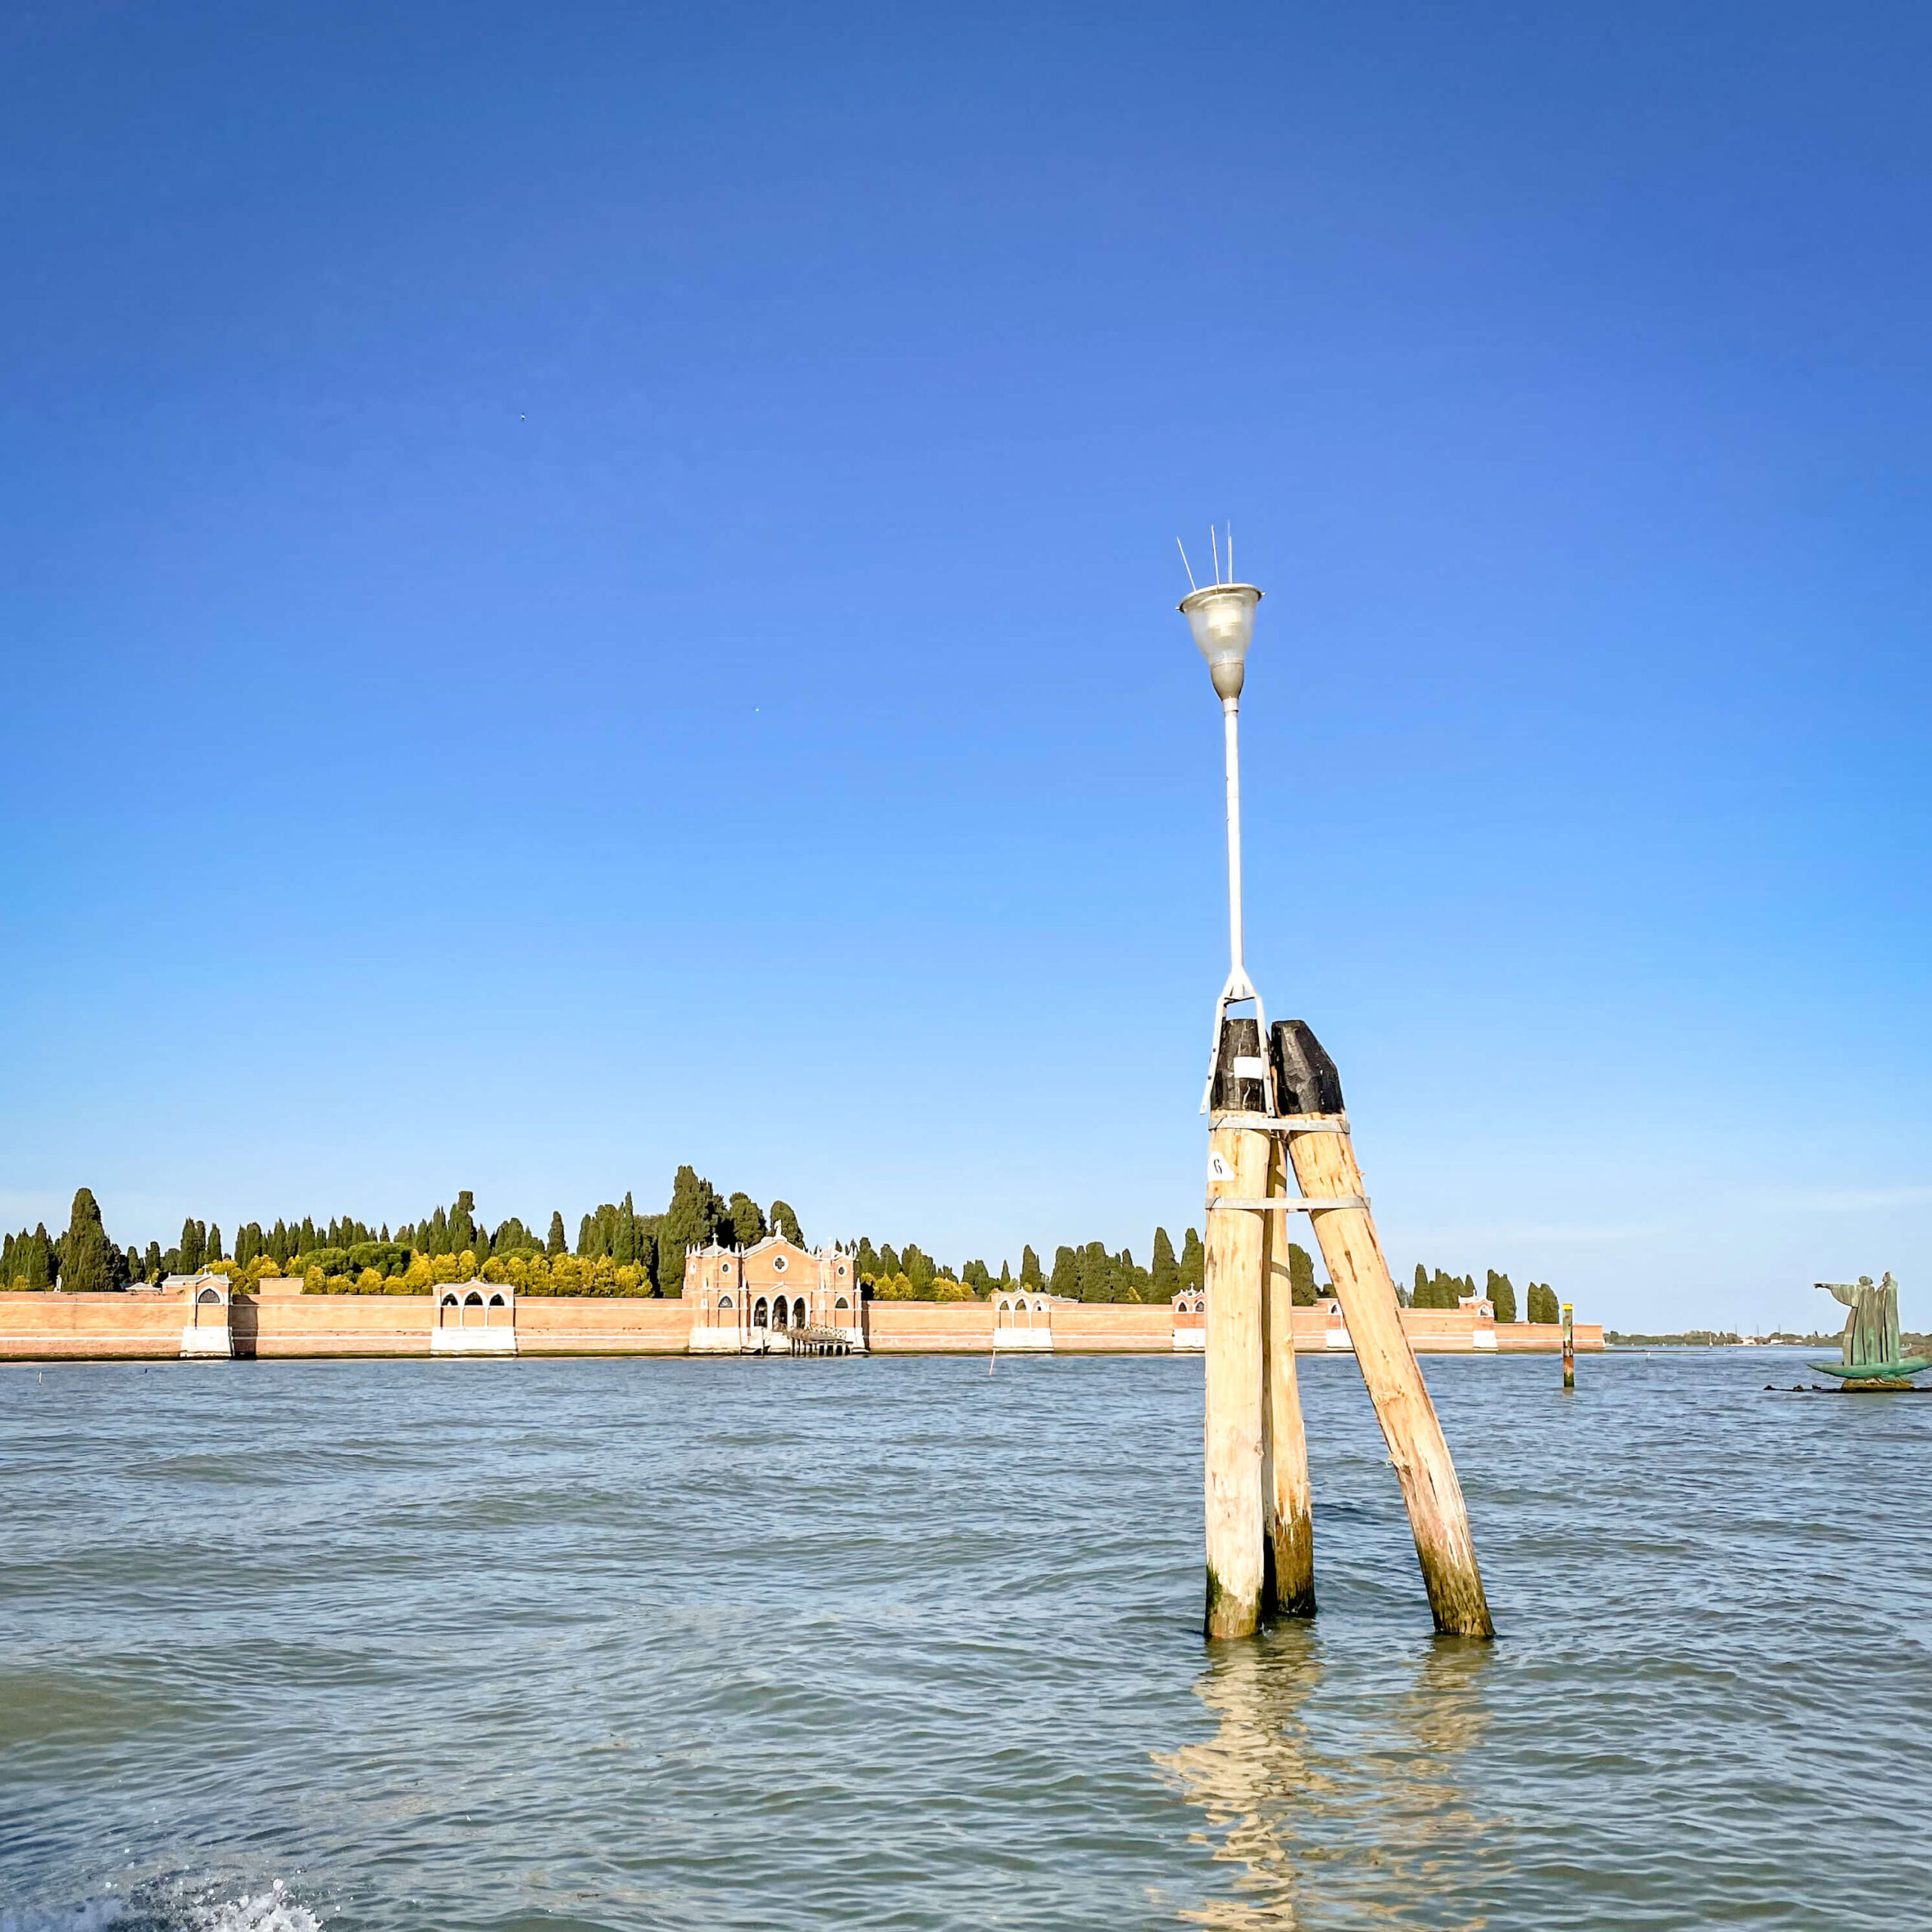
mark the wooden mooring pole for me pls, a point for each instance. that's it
(1289, 1586)
(1569, 1346)
(1237, 1164)
(1324, 1164)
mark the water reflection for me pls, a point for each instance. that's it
(1334, 1789)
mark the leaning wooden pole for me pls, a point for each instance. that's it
(1289, 1588)
(1237, 1165)
(1324, 1164)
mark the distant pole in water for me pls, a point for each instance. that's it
(1569, 1347)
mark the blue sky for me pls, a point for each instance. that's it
(587, 588)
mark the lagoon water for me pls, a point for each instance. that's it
(775, 1645)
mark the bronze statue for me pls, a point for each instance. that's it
(1869, 1354)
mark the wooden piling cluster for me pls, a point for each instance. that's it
(1267, 1118)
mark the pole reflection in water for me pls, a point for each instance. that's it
(1335, 1787)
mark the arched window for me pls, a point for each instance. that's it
(210, 1298)
(759, 1314)
(724, 1302)
(841, 1301)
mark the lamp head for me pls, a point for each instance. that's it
(1222, 618)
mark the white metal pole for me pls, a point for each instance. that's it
(1230, 712)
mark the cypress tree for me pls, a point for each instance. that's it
(212, 1250)
(554, 1245)
(86, 1267)
(1090, 1272)
(463, 1224)
(308, 1240)
(37, 1266)
(865, 1262)
(1030, 1276)
(623, 1241)
(1066, 1274)
(888, 1259)
(784, 1221)
(747, 1220)
(1502, 1294)
(1006, 1277)
(587, 1243)
(694, 1218)
(1301, 1276)
(1193, 1263)
(191, 1246)
(1165, 1281)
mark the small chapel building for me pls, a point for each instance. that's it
(773, 1296)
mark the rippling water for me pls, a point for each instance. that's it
(643, 1644)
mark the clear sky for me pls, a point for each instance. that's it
(585, 587)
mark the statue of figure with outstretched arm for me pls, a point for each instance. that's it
(1870, 1350)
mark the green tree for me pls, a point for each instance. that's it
(1164, 1278)
(1301, 1276)
(785, 1222)
(1502, 1293)
(90, 1263)
(1193, 1263)
(1030, 1276)
(747, 1220)
(151, 1267)
(692, 1220)
(1544, 1304)
(555, 1244)
(463, 1233)
(33, 1259)
(192, 1236)
(212, 1249)
(1066, 1279)
(624, 1234)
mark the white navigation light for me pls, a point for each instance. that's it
(1222, 618)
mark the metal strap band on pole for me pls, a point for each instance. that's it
(1294, 1204)
(1282, 1123)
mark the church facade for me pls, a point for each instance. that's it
(748, 1300)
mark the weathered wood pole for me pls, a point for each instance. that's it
(1289, 1585)
(1324, 1164)
(1569, 1347)
(1237, 1165)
